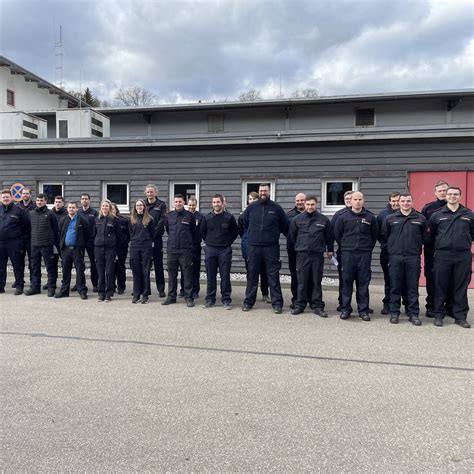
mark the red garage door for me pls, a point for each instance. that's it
(422, 188)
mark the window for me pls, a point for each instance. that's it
(11, 97)
(365, 117)
(51, 190)
(63, 129)
(333, 190)
(188, 190)
(252, 185)
(117, 193)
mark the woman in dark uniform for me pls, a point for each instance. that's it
(122, 251)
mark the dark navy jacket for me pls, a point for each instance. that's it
(383, 214)
(219, 230)
(141, 236)
(404, 235)
(291, 214)
(334, 219)
(265, 221)
(29, 207)
(157, 210)
(356, 232)
(452, 230)
(198, 217)
(83, 232)
(428, 210)
(181, 229)
(124, 231)
(59, 214)
(107, 232)
(243, 233)
(311, 233)
(90, 214)
(14, 223)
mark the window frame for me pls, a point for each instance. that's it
(41, 185)
(123, 208)
(332, 209)
(13, 97)
(171, 189)
(272, 183)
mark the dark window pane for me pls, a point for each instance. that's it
(29, 124)
(52, 190)
(63, 129)
(117, 193)
(335, 192)
(187, 190)
(10, 97)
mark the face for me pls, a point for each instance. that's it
(453, 196)
(58, 204)
(26, 195)
(6, 199)
(310, 206)
(264, 193)
(394, 202)
(348, 200)
(71, 210)
(217, 205)
(300, 202)
(406, 203)
(357, 201)
(179, 204)
(192, 205)
(440, 191)
(85, 202)
(105, 208)
(139, 207)
(151, 193)
(40, 202)
(252, 199)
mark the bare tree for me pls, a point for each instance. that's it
(305, 93)
(135, 96)
(250, 96)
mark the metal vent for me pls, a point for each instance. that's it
(365, 117)
(29, 124)
(215, 123)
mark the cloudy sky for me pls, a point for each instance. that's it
(184, 51)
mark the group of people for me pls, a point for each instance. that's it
(444, 229)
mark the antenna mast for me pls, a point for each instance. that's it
(58, 52)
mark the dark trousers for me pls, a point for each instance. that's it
(430, 284)
(185, 263)
(26, 251)
(158, 266)
(356, 268)
(384, 263)
(13, 250)
(452, 275)
(48, 257)
(105, 264)
(218, 258)
(55, 265)
(196, 271)
(120, 271)
(90, 249)
(309, 267)
(270, 255)
(339, 273)
(263, 277)
(404, 280)
(70, 256)
(293, 273)
(140, 261)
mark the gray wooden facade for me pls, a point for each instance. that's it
(296, 144)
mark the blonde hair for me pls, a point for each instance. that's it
(147, 219)
(111, 208)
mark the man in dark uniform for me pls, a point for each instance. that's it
(219, 230)
(192, 208)
(27, 204)
(356, 233)
(390, 208)
(44, 237)
(90, 213)
(290, 247)
(403, 233)
(452, 231)
(312, 236)
(181, 227)
(74, 235)
(265, 221)
(157, 209)
(428, 210)
(14, 231)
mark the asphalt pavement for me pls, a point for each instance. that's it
(116, 387)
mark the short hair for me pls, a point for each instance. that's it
(192, 199)
(264, 185)
(25, 189)
(6, 191)
(87, 195)
(42, 196)
(73, 203)
(59, 197)
(150, 185)
(179, 196)
(441, 182)
(394, 195)
(348, 193)
(403, 195)
(218, 196)
(311, 198)
(454, 187)
(253, 194)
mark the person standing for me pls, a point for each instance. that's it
(91, 214)
(142, 230)
(107, 236)
(74, 235)
(44, 237)
(181, 228)
(192, 207)
(122, 251)
(27, 204)
(290, 247)
(157, 210)
(403, 232)
(311, 234)
(15, 230)
(452, 231)
(219, 230)
(265, 221)
(356, 234)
